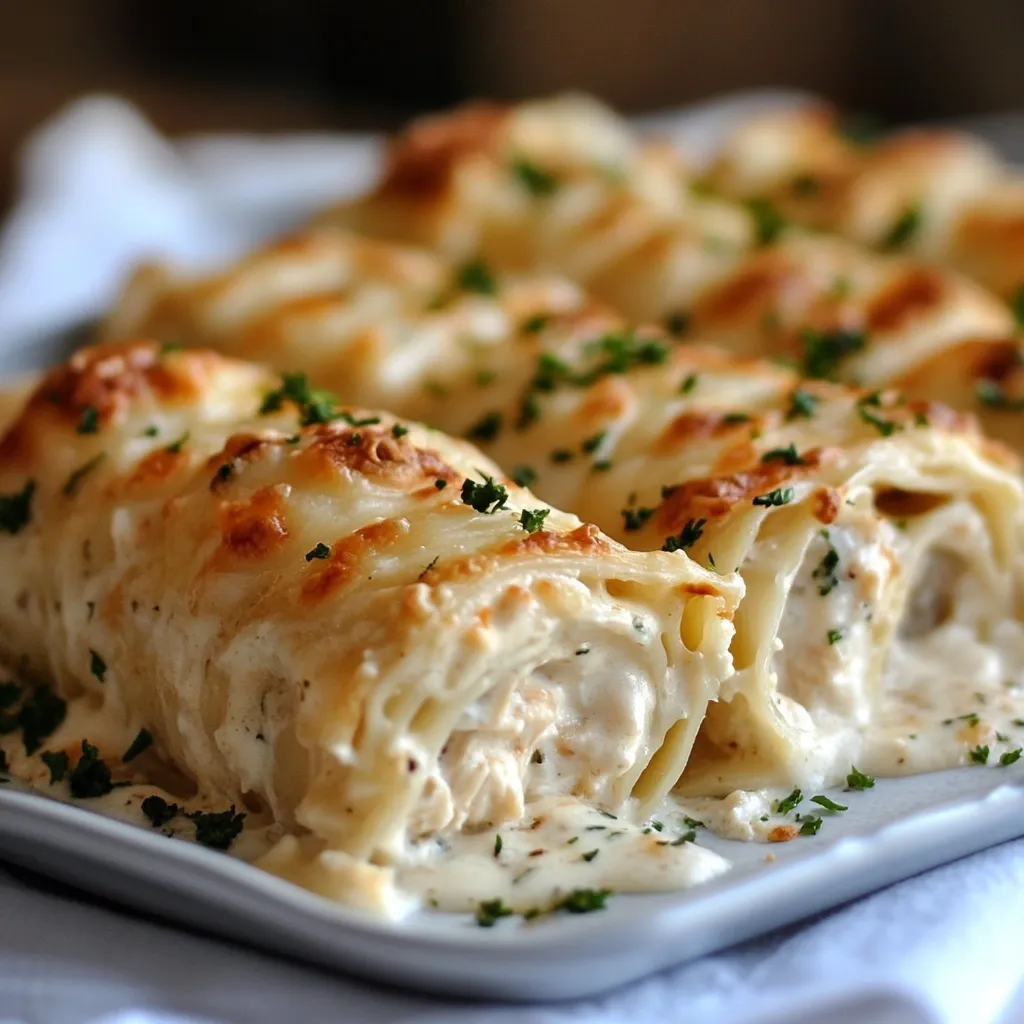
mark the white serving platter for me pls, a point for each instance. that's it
(897, 829)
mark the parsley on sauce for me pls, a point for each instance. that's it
(532, 520)
(143, 741)
(687, 536)
(488, 497)
(16, 508)
(857, 780)
(90, 777)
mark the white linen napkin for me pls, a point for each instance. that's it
(99, 189)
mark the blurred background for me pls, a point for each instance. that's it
(277, 65)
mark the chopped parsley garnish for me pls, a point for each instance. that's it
(992, 395)
(825, 573)
(689, 384)
(176, 446)
(830, 805)
(635, 518)
(16, 508)
(151, 431)
(143, 741)
(91, 776)
(315, 406)
(75, 478)
(691, 823)
(321, 550)
(523, 476)
(857, 780)
(58, 762)
(537, 757)
(735, 417)
(536, 323)
(489, 911)
(217, 829)
(1017, 305)
(687, 536)
(440, 485)
(786, 804)
(802, 403)
(397, 431)
(810, 825)
(497, 845)
(487, 428)
(97, 666)
(686, 837)
(532, 520)
(677, 323)
(866, 410)
(10, 694)
(602, 465)
(971, 718)
(591, 444)
(583, 901)
(39, 717)
(589, 855)
(534, 179)
(1010, 757)
(825, 350)
(979, 755)
(780, 496)
(159, 811)
(487, 497)
(476, 276)
(529, 412)
(89, 420)
(904, 228)
(560, 455)
(768, 222)
(788, 455)
(834, 636)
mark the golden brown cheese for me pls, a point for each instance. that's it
(755, 463)
(349, 627)
(939, 194)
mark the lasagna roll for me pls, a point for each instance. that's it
(940, 194)
(784, 477)
(351, 629)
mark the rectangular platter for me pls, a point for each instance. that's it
(897, 829)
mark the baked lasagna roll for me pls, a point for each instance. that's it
(348, 627)
(879, 542)
(941, 194)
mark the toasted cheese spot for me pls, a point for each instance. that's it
(699, 425)
(713, 497)
(916, 293)
(256, 527)
(748, 293)
(584, 540)
(422, 160)
(373, 451)
(348, 558)
(783, 833)
(155, 468)
(825, 504)
(609, 399)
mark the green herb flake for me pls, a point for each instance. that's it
(979, 755)
(40, 716)
(143, 741)
(584, 901)
(857, 780)
(689, 383)
(159, 811)
(834, 636)
(786, 804)
(151, 431)
(825, 572)
(397, 431)
(89, 420)
(16, 509)
(498, 845)
(489, 911)
(321, 550)
(532, 520)
(824, 351)
(58, 762)
(440, 485)
(687, 536)
(677, 323)
(635, 518)
(801, 404)
(75, 478)
(487, 497)
(217, 829)
(589, 855)
(591, 444)
(175, 447)
(97, 666)
(768, 222)
(561, 455)
(903, 229)
(10, 694)
(830, 805)
(534, 179)
(487, 428)
(788, 455)
(91, 776)
(476, 276)
(524, 476)
(780, 496)
(810, 825)
(1010, 757)
(536, 323)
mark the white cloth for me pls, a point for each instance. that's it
(99, 190)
